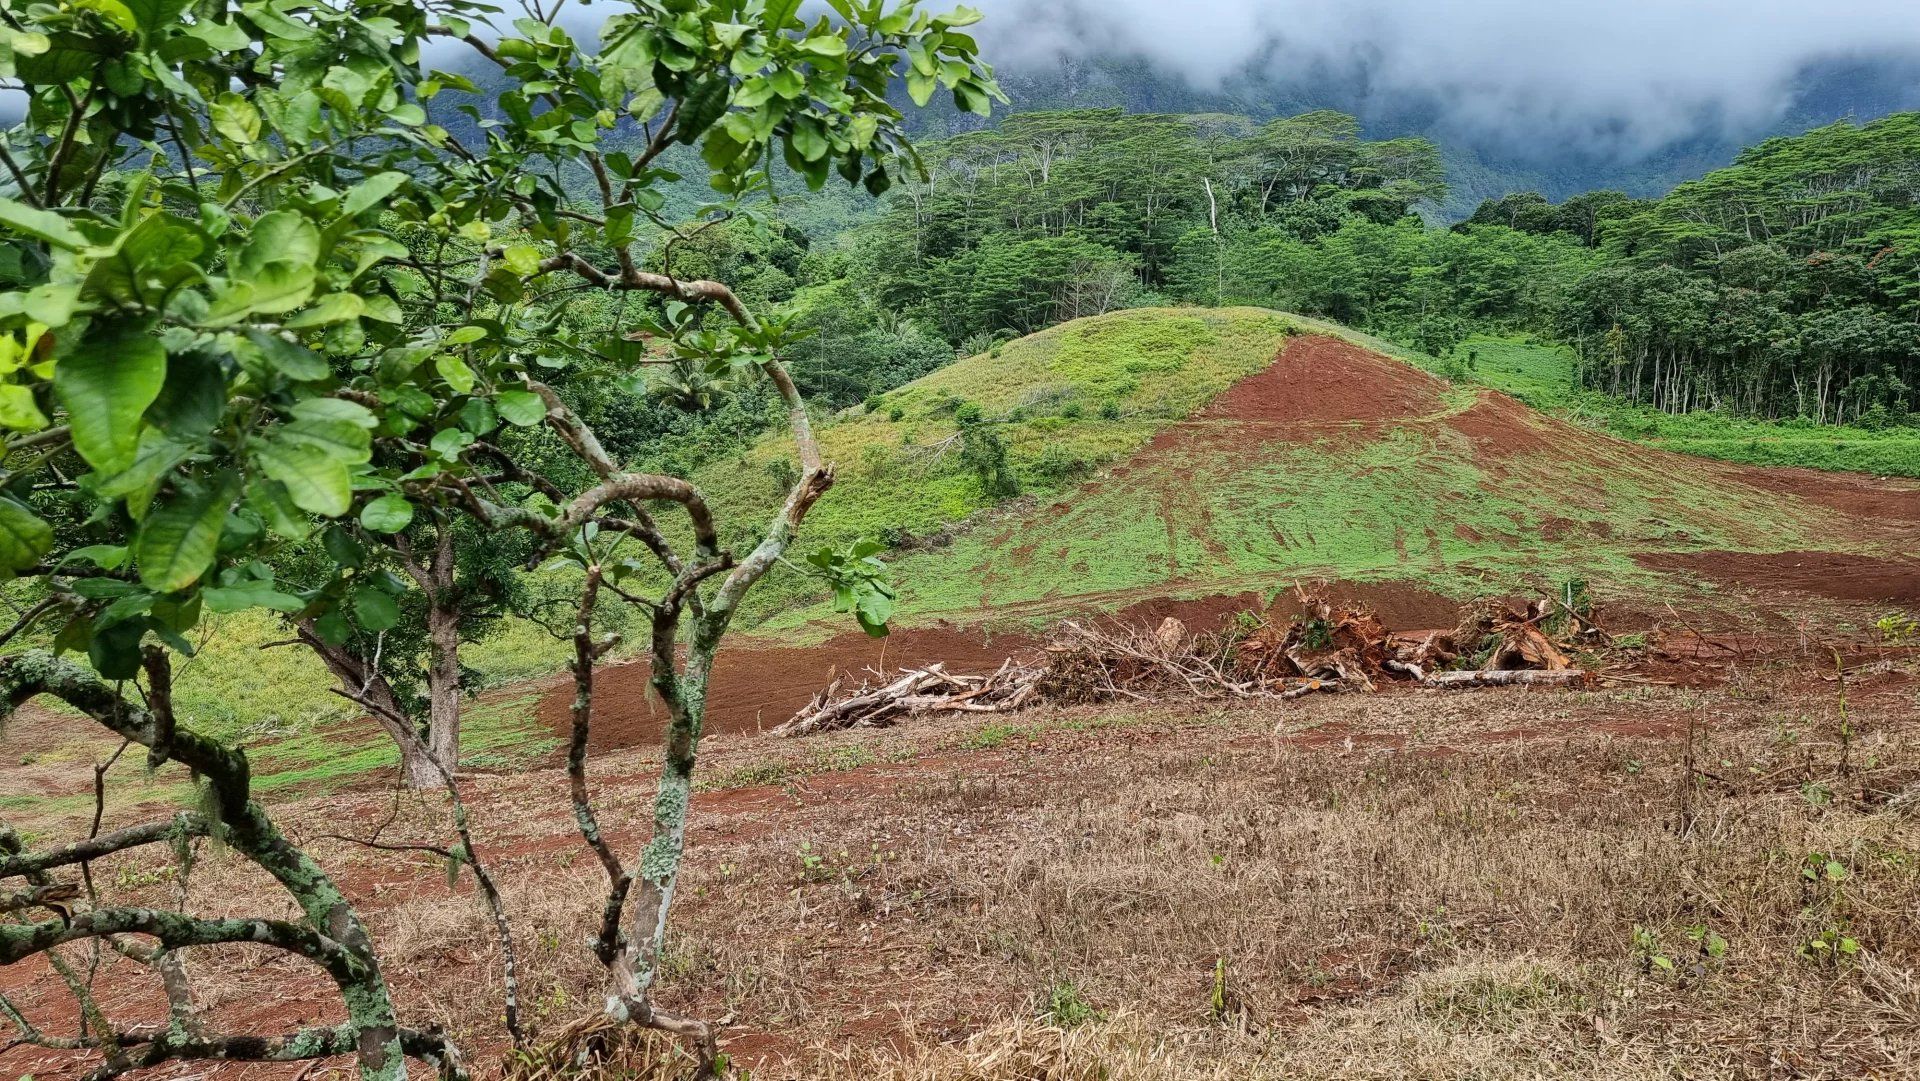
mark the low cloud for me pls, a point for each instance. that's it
(1620, 78)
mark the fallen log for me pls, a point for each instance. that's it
(1507, 677)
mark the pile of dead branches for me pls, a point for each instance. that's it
(914, 690)
(1327, 648)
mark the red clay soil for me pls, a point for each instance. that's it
(1319, 380)
(757, 687)
(1400, 606)
(1849, 493)
(1500, 426)
(1839, 575)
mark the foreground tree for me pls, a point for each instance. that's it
(273, 337)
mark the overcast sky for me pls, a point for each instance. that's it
(1627, 76)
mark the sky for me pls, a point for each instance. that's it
(1624, 77)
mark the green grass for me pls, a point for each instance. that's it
(1415, 501)
(1066, 401)
(1543, 377)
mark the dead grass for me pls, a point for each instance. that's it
(1422, 885)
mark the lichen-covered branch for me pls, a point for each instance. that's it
(329, 933)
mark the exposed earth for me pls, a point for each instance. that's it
(1500, 883)
(1547, 485)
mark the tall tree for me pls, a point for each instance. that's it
(262, 310)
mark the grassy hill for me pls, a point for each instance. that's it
(1168, 452)
(1160, 453)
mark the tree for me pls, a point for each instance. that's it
(270, 334)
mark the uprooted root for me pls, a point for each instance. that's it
(1328, 648)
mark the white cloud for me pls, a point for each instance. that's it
(1623, 76)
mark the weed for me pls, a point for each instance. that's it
(1897, 628)
(990, 736)
(1068, 1007)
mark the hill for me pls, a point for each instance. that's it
(1174, 453)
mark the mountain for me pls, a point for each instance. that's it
(1479, 166)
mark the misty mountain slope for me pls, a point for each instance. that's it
(1482, 162)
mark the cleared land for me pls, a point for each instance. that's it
(1496, 884)
(1710, 870)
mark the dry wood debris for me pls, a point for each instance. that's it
(1327, 648)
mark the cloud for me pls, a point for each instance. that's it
(1613, 77)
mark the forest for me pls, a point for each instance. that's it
(1786, 285)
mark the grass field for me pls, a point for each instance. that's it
(1543, 377)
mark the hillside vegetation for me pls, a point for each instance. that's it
(1167, 451)
(1547, 377)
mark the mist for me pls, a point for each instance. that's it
(1617, 79)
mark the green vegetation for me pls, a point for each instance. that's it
(1063, 402)
(1227, 506)
(1547, 377)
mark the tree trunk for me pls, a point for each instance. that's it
(369, 688)
(443, 689)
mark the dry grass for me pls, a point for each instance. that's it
(1399, 886)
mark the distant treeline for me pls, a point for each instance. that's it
(1785, 285)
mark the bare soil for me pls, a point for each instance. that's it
(1321, 380)
(1840, 575)
(1414, 884)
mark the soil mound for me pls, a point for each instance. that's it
(1320, 380)
(1500, 426)
(1849, 493)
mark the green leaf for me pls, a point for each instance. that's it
(235, 117)
(371, 192)
(221, 37)
(332, 308)
(449, 442)
(777, 14)
(316, 482)
(281, 236)
(156, 456)
(151, 15)
(114, 652)
(269, 499)
(375, 611)
(390, 513)
(24, 538)
(180, 537)
(333, 628)
(296, 362)
(19, 410)
(455, 372)
(522, 259)
(272, 289)
(920, 87)
(344, 438)
(253, 593)
(809, 139)
(192, 399)
(41, 225)
(824, 45)
(521, 407)
(105, 556)
(106, 383)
